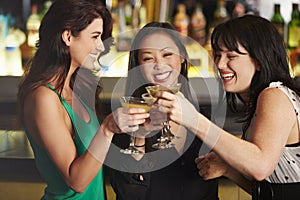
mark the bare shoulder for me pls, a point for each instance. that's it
(42, 105)
(42, 99)
(276, 100)
(42, 95)
(44, 116)
(273, 95)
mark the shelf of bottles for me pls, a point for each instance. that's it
(132, 15)
(17, 46)
(290, 33)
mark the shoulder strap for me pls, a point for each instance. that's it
(65, 104)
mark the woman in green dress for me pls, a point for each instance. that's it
(58, 100)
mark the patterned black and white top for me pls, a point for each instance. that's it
(288, 168)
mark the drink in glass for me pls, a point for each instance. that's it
(133, 102)
(166, 135)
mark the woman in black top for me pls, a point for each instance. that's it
(158, 56)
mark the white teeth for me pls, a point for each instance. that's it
(162, 76)
(227, 76)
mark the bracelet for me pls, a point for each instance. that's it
(140, 145)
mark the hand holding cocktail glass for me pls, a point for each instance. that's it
(166, 135)
(180, 110)
(138, 103)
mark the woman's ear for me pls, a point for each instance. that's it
(257, 67)
(182, 59)
(66, 37)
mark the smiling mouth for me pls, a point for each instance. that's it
(162, 76)
(227, 77)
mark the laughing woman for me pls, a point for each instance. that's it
(253, 65)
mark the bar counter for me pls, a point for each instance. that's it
(16, 158)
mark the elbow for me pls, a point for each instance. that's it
(260, 176)
(262, 172)
(78, 188)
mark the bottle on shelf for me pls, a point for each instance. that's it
(198, 25)
(181, 20)
(3, 29)
(135, 19)
(127, 12)
(220, 15)
(278, 20)
(294, 58)
(296, 67)
(32, 26)
(47, 4)
(3, 33)
(114, 8)
(293, 37)
(13, 55)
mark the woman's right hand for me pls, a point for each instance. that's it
(125, 120)
(180, 110)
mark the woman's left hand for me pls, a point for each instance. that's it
(211, 166)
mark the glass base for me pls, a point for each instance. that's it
(163, 145)
(131, 151)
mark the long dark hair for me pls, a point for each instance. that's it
(52, 58)
(135, 83)
(137, 79)
(266, 48)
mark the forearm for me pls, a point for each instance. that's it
(239, 179)
(84, 168)
(244, 156)
(100, 144)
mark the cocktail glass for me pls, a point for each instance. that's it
(133, 102)
(164, 141)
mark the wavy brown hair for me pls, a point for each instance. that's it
(52, 58)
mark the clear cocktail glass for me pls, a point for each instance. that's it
(164, 141)
(133, 102)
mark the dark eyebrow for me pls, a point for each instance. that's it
(97, 32)
(148, 52)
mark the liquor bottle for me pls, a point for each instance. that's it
(278, 20)
(47, 5)
(296, 66)
(32, 26)
(127, 12)
(220, 15)
(294, 28)
(3, 30)
(198, 25)
(294, 55)
(181, 20)
(13, 55)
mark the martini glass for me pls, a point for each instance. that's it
(133, 102)
(164, 141)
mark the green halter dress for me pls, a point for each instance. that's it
(56, 188)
